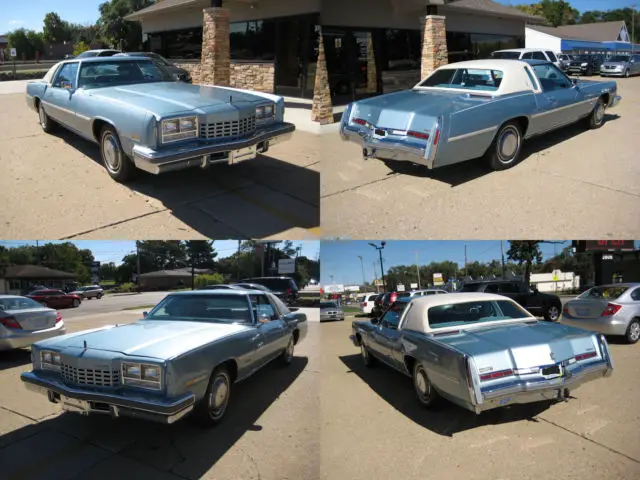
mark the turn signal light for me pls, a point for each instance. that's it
(584, 356)
(359, 121)
(420, 135)
(10, 322)
(611, 309)
(494, 375)
(58, 317)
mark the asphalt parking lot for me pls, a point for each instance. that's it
(54, 186)
(584, 183)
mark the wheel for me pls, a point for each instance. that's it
(367, 359)
(627, 74)
(633, 331)
(596, 118)
(118, 165)
(427, 395)
(287, 355)
(552, 313)
(75, 303)
(211, 409)
(99, 297)
(46, 123)
(505, 149)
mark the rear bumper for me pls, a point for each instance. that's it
(198, 155)
(606, 325)
(89, 402)
(18, 339)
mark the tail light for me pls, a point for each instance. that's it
(359, 121)
(393, 297)
(436, 137)
(58, 317)
(611, 309)
(420, 135)
(363, 304)
(10, 322)
(495, 375)
(565, 310)
(584, 356)
(289, 291)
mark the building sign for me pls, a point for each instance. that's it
(414, 285)
(609, 245)
(352, 288)
(377, 282)
(287, 265)
(95, 272)
(13, 53)
(334, 288)
(400, 287)
(437, 279)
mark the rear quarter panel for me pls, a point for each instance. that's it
(35, 89)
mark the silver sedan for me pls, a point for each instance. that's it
(608, 309)
(24, 321)
(330, 311)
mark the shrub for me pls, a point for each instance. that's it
(80, 47)
(212, 279)
(125, 288)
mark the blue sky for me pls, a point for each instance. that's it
(113, 250)
(340, 258)
(30, 13)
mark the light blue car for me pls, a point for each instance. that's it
(472, 109)
(183, 357)
(143, 119)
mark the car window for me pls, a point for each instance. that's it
(506, 55)
(550, 77)
(538, 56)
(67, 74)
(115, 73)
(261, 306)
(202, 308)
(527, 55)
(459, 314)
(465, 78)
(391, 318)
(534, 84)
(328, 305)
(492, 288)
(404, 294)
(275, 284)
(18, 303)
(551, 56)
(605, 292)
(508, 288)
(635, 295)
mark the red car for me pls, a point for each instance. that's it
(55, 298)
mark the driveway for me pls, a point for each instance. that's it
(54, 186)
(572, 183)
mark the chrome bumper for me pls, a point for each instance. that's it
(203, 155)
(17, 339)
(614, 101)
(88, 402)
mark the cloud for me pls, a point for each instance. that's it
(16, 23)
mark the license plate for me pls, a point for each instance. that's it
(73, 404)
(554, 370)
(582, 312)
(237, 156)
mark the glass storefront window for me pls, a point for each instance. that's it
(254, 40)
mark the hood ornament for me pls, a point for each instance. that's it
(85, 344)
(230, 98)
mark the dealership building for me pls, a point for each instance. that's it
(603, 37)
(368, 47)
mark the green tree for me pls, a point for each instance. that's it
(108, 271)
(80, 47)
(525, 252)
(117, 31)
(55, 29)
(200, 253)
(20, 40)
(556, 12)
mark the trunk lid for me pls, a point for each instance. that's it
(587, 308)
(34, 318)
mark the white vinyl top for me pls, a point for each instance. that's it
(515, 78)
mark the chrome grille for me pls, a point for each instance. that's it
(232, 128)
(87, 376)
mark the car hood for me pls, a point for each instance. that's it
(173, 98)
(159, 339)
(521, 345)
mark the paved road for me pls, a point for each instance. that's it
(113, 303)
(572, 184)
(54, 187)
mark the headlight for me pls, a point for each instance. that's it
(584, 64)
(50, 360)
(143, 375)
(179, 129)
(265, 112)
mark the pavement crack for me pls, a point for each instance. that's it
(36, 420)
(613, 450)
(113, 224)
(351, 189)
(592, 184)
(253, 461)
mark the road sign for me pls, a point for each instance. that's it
(95, 267)
(437, 279)
(13, 53)
(352, 288)
(287, 265)
(334, 288)
(400, 287)
(414, 285)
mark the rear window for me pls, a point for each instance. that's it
(328, 305)
(551, 56)
(19, 303)
(469, 313)
(506, 55)
(465, 78)
(404, 294)
(607, 293)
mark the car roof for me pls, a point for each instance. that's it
(246, 280)
(109, 59)
(220, 291)
(10, 296)
(523, 50)
(462, 297)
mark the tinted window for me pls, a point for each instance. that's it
(392, 316)
(605, 293)
(635, 295)
(551, 56)
(538, 56)
(465, 78)
(67, 74)
(406, 294)
(112, 73)
(508, 288)
(619, 58)
(328, 305)
(203, 308)
(19, 303)
(506, 55)
(550, 77)
(492, 288)
(474, 312)
(471, 287)
(527, 55)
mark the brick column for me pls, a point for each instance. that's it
(372, 74)
(434, 44)
(216, 57)
(322, 109)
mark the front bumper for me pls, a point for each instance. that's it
(615, 100)
(606, 325)
(117, 405)
(20, 339)
(328, 318)
(202, 155)
(576, 70)
(611, 73)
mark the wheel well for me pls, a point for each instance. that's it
(359, 338)
(232, 366)
(36, 102)
(409, 363)
(523, 122)
(296, 336)
(605, 97)
(97, 127)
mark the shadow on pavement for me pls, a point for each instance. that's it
(288, 193)
(447, 419)
(464, 172)
(184, 448)
(14, 358)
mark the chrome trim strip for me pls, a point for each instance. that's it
(82, 117)
(540, 114)
(70, 112)
(472, 134)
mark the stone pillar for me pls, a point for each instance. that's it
(434, 44)
(322, 109)
(372, 74)
(216, 56)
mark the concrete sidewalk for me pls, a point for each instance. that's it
(13, 86)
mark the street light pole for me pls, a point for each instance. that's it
(633, 26)
(418, 268)
(362, 265)
(380, 248)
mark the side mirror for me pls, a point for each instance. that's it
(145, 314)
(66, 85)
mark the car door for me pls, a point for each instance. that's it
(270, 327)
(387, 335)
(559, 102)
(58, 98)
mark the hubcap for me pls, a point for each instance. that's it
(218, 396)
(111, 152)
(634, 332)
(508, 144)
(421, 383)
(553, 313)
(364, 352)
(599, 112)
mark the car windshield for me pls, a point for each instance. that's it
(506, 55)
(203, 308)
(18, 303)
(607, 293)
(465, 78)
(328, 305)
(116, 73)
(275, 284)
(471, 313)
(619, 58)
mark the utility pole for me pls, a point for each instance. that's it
(465, 261)
(238, 262)
(418, 268)
(193, 275)
(137, 261)
(374, 276)
(633, 27)
(502, 251)
(380, 248)
(362, 265)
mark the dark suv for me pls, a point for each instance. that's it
(284, 288)
(540, 304)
